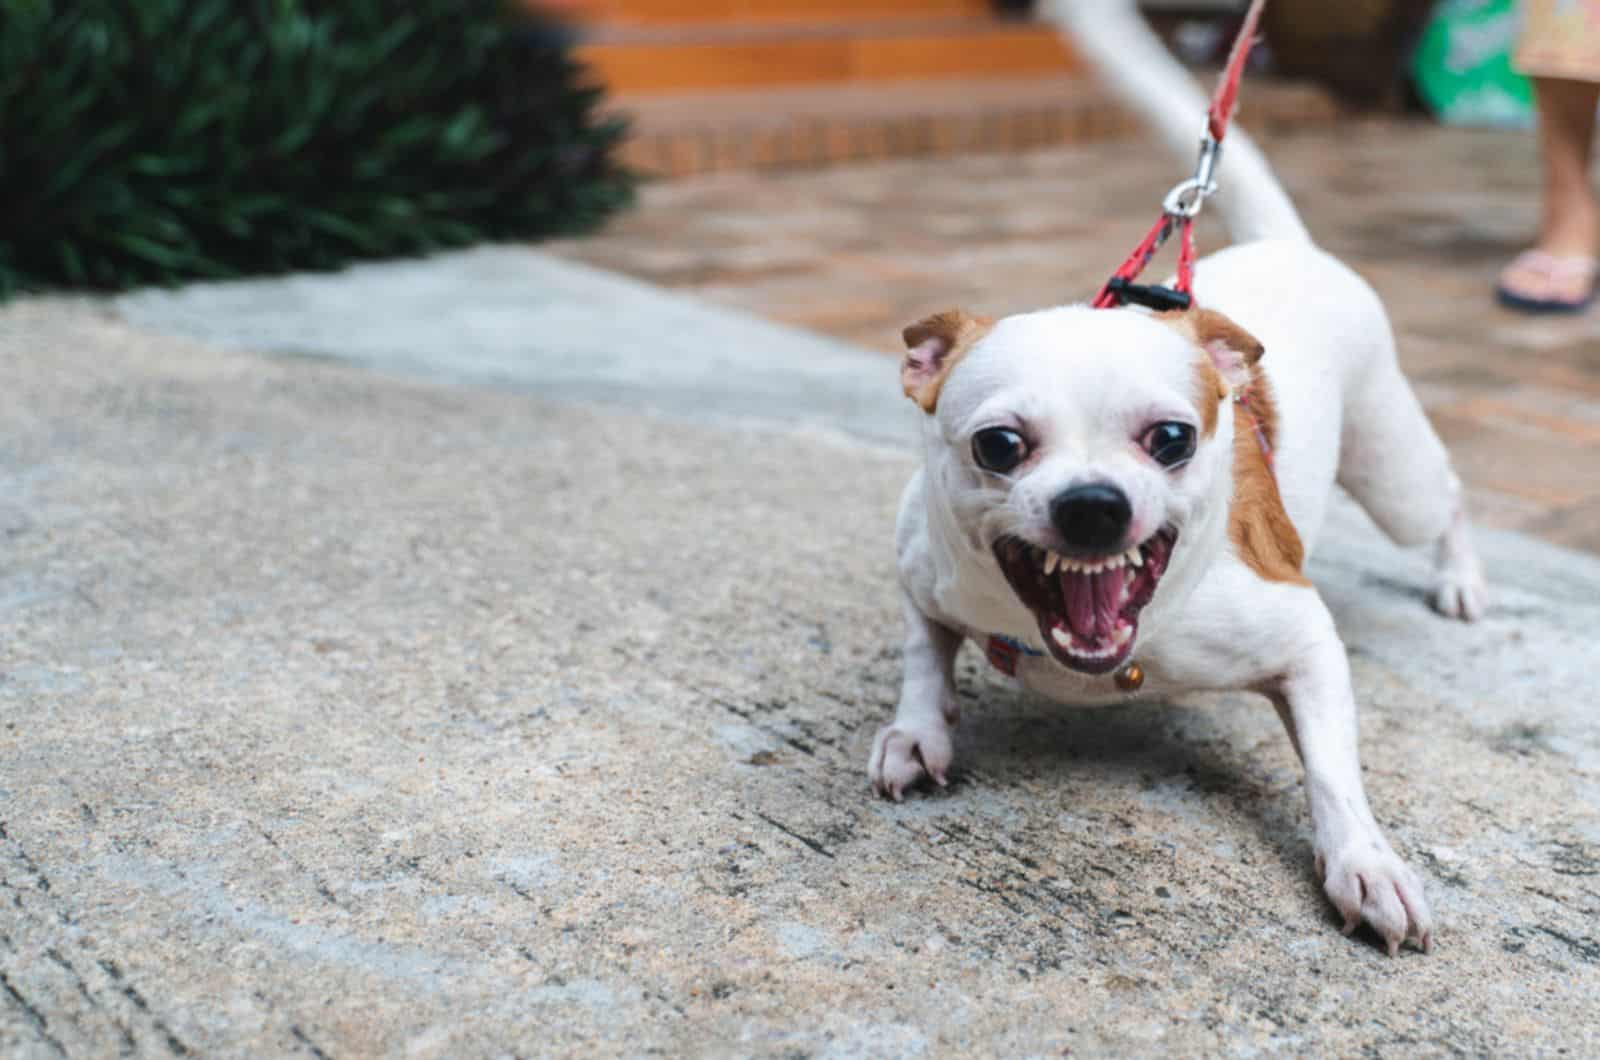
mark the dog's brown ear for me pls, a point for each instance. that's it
(1232, 349)
(933, 346)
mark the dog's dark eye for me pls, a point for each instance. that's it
(998, 448)
(1170, 444)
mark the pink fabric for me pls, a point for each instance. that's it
(1560, 38)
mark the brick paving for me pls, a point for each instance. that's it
(1426, 214)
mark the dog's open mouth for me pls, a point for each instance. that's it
(1087, 607)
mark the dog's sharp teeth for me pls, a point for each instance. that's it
(1050, 562)
(1134, 557)
(1061, 636)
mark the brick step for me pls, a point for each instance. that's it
(688, 133)
(705, 56)
(626, 12)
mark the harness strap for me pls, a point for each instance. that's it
(1111, 295)
(1242, 399)
(1003, 653)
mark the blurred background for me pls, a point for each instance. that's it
(166, 140)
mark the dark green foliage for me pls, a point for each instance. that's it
(150, 141)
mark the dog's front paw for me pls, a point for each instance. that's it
(1368, 881)
(903, 754)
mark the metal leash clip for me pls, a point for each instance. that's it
(1188, 196)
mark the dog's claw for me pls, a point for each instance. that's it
(1460, 591)
(1369, 882)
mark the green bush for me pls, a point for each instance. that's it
(151, 141)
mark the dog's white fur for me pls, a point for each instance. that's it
(1084, 380)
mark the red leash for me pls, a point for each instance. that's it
(1184, 201)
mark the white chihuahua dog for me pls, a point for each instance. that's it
(1122, 501)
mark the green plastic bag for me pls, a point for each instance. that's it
(1462, 65)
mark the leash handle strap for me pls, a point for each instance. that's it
(1226, 96)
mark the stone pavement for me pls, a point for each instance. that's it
(1428, 215)
(348, 711)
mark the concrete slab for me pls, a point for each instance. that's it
(347, 714)
(568, 332)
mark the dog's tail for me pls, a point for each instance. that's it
(1126, 52)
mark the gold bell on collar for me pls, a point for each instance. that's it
(1130, 677)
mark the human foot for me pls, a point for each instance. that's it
(1538, 281)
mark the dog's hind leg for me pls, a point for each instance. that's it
(1393, 463)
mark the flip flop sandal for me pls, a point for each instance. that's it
(1561, 270)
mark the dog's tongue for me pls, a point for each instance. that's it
(1078, 592)
(1094, 601)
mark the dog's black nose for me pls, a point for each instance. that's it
(1092, 518)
